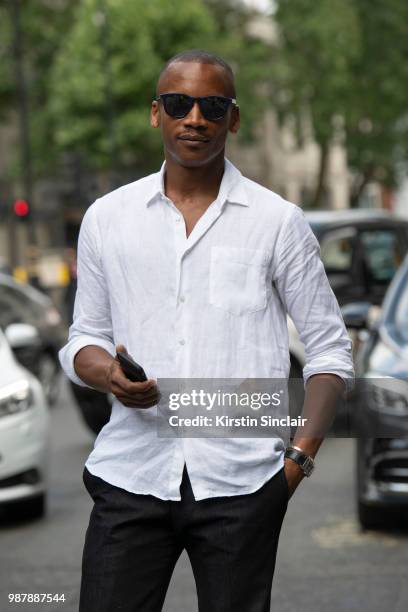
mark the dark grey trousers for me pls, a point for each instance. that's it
(133, 542)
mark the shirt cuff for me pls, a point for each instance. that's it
(67, 355)
(349, 381)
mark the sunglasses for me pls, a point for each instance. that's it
(179, 105)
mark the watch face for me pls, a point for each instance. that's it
(303, 460)
(308, 466)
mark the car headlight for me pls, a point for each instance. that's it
(16, 397)
(388, 395)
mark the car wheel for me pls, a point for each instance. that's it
(49, 376)
(95, 407)
(370, 517)
(31, 508)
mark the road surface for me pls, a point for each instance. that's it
(324, 562)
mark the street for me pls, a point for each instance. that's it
(324, 562)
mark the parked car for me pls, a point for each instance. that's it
(21, 303)
(380, 406)
(24, 430)
(361, 250)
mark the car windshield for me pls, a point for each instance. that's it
(382, 254)
(396, 316)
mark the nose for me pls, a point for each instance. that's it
(194, 117)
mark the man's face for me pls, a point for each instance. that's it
(193, 140)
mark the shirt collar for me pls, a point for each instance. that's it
(232, 189)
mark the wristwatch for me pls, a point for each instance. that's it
(306, 462)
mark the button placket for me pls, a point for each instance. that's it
(183, 246)
(180, 313)
(180, 245)
(179, 241)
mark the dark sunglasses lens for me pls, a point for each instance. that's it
(214, 107)
(177, 105)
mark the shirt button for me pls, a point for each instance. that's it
(178, 219)
(182, 298)
(182, 342)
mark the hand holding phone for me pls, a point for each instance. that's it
(128, 382)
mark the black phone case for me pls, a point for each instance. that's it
(133, 370)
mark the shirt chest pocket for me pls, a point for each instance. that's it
(238, 279)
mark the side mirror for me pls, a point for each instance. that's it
(356, 315)
(22, 335)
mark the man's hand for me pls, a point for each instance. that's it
(322, 394)
(293, 474)
(131, 394)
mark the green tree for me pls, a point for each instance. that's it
(43, 25)
(99, 81)
(318, 43)
(376, 114)
(346, 59)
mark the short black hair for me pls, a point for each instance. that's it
(199, 56)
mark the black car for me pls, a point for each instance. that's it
(380, 407)
(22, 303)
(361, 250)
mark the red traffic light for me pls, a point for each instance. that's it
(21, 208)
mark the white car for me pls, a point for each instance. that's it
(24, 431)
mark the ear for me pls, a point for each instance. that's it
(234, 120)
(155, 114)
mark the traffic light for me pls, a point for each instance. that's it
(21, 210)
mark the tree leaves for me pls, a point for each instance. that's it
(347, 58)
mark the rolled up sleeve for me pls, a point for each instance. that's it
(92, 321)
(306, 294)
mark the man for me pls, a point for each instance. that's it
(192, 270)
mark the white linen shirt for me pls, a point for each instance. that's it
(212, 305)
